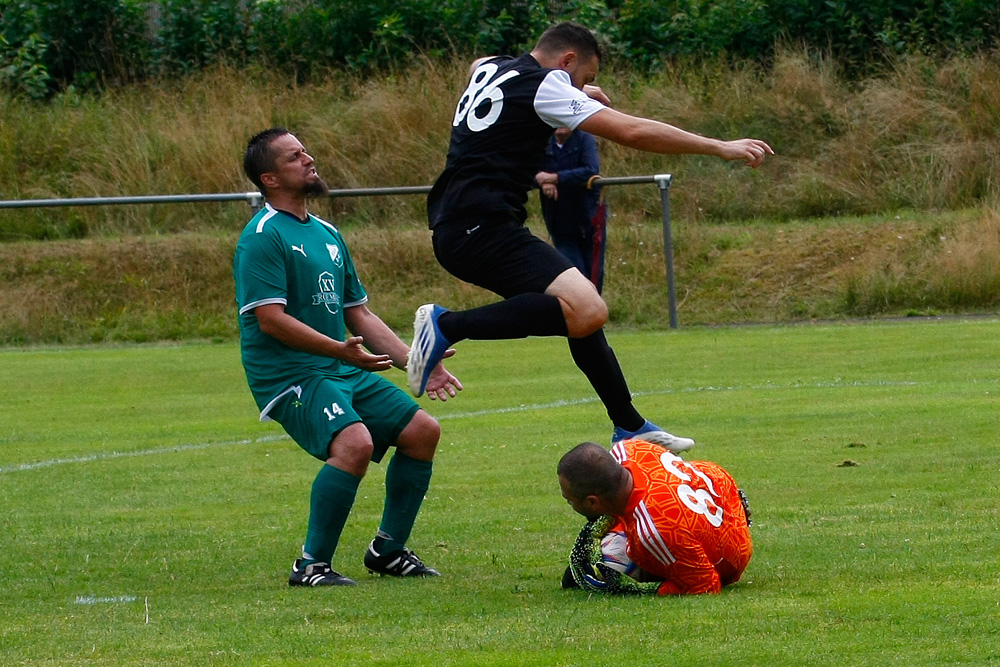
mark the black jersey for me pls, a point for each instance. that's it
(501, 126)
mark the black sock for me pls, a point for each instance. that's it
(597, 360)
(530, 314)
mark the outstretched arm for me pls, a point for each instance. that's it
(655, 137)
(275, 322)
(380, 339)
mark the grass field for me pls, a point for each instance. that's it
(148, 518)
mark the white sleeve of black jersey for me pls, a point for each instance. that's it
(559, 104)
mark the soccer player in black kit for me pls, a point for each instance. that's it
(476, 211)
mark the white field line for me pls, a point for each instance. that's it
(104, 456)
(531, 407)
(91, 599)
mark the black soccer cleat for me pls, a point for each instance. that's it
(402, 563)
(568, 581)
(316, 574)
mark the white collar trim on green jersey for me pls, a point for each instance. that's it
(271, 212)
(267, 216)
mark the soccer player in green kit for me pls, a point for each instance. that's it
(298, 293)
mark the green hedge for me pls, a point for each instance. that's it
(47, 45)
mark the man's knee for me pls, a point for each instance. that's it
(582, 305)
(351, 449)
(586, 317)
(420, 437)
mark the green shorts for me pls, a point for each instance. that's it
(322, 406)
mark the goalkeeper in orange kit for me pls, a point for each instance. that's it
(687, 523)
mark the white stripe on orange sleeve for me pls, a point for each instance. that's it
(650, 536)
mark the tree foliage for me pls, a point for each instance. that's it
(46, 45)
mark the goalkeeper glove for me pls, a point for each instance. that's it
(588, 569)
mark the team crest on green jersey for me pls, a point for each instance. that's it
(338, 259)
(327, 292)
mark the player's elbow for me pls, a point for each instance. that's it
(632, 135)
(267, 323)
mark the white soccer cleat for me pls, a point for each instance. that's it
(428, 347)
(650, 432)
(667, 440)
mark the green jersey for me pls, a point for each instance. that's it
(305, 266)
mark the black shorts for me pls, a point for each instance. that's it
(498, 254)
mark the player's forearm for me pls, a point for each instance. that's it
(300, 336)
(657, 137)
(379, 338)
(385, 341)
(649, 135)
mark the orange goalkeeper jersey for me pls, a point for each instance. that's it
(684, 522)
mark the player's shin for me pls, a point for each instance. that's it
(406, 483)
(333, 494)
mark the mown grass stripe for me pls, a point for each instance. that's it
(528, 407)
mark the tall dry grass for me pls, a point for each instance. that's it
(187, 136)
(950, 267)
(131, 289)
(180, 286)
(925, 135)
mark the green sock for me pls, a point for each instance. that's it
(333, 493)
(406, 483)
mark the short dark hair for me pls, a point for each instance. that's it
(590, 470)
(258, 158)
(567, 36)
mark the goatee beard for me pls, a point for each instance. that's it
(316, 188)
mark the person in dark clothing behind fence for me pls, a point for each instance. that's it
(574, 211)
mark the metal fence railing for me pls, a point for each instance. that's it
(255, 200)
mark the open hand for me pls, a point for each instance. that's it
(441, 384)
(354, 354)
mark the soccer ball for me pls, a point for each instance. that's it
(613, 553)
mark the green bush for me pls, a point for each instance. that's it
(94, 43)
(191, 34)
(858, 31)
(22, 70)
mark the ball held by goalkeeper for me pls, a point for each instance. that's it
(687, 523)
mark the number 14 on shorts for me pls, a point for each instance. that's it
(333, 411)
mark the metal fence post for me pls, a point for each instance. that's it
(663, 182)
(256, 201)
